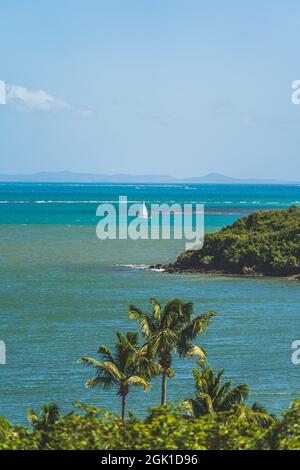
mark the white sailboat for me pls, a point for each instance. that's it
(144, 211)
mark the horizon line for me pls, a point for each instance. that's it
(68, 176)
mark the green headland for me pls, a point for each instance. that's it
(263, 243)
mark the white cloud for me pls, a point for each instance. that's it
(39, 100)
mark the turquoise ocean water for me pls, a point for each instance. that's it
(63, 292)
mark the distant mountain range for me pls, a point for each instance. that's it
(73, 177)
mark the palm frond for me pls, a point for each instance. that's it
(89, 361)
(111, 369)
(145, 365)
(145, 322)
(126, 351)
(142, 354)
(191, 350)
(137, 380)
(49, 414)
(90, 410)
(172, 313)
(106, 366)
(156, 309)
(197, 325)
(188, 310)
(246, 414)
(205, 401)
(235, 395)
(170, 372)
(267, 418)
(132, 338)
(193, 408)
(258, 407)
(105, 382)
(172, 320)
(163, 341)
(105, 352)
(32, 416)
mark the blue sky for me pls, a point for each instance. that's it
(146, 86)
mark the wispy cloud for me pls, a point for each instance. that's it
(39, 100)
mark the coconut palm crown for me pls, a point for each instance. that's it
(49, 415)
(168, 330)
(120, 369)
(212, 396)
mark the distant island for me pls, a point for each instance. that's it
(73, 177)
(264, 243)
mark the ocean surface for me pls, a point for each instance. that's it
(63, 292)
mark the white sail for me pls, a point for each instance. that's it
(144, 211)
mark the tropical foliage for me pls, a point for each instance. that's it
(49, 414)
(120, 369)
(163, 428)
(168, 330)
(214, 396)
(265, 242)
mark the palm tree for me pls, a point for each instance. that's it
(49, 414)
(120, 369)
(256, 414)
(213, 396)
(170, 330)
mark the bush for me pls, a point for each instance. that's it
(164, 428)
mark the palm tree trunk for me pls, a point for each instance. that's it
(164, 387)
(123, 408)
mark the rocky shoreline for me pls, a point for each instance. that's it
(176, 268)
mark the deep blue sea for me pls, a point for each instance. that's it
(63, 292)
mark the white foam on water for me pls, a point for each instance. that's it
(134, 266)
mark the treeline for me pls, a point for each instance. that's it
(163, 428)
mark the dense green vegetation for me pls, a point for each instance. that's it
(163, 428)
(266, 242)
